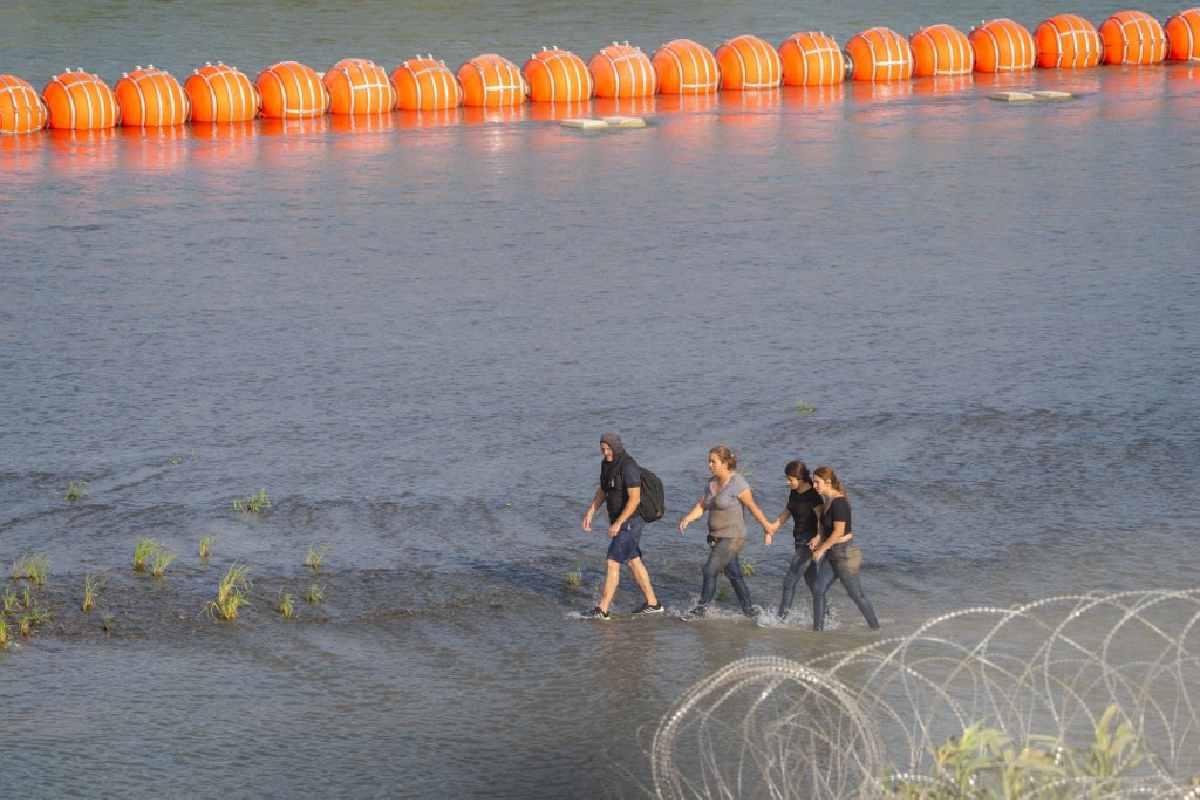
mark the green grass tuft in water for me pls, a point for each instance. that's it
(206, 545)
(805, 410)
(286, 606)
(254, 504)
(76, 491)
(162, 559)
(34, 567)
(91, 589)
(315, 594)
(316, 556)
(747, 569)
(231, 593)
(143, 551)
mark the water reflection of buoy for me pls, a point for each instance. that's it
(150, 98)
(623, 70)
(812, 58)
(359, 86)
(1067, 41)
(747, 63)
(686, 67)
(426, 84)
(21, 110)
(1133, 37)
(941, 50)
(557, 76)
(153, 148)
(880, 54)
(219, 93)
(291, 90)
(491, 81)
(625, 106)
(1183, 36)
(80, 101)
(545, 112)
(1002, 45)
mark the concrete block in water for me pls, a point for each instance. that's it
(1050, 94)
(625, 122)
(1012, 97)
(586, 124)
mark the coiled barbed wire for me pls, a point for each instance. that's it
(1087, 695)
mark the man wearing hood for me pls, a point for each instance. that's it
(621, 489)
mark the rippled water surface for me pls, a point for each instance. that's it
(412, 333)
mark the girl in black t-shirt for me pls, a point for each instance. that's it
(802, 506)
(836, 533)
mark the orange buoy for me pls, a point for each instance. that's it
(21, 110)
(623, 70)
(941, 50)
(812, 58)
(1002, 45)
(686, 67)
(1067, 41)
(557, 76)
(1183, 35)
(151, 98)
(291, 90)
(359, 86)
(80, 101)
(748, 62)
(1133, 37)
(880, 54)
(491, 81)
(426, 84)
(221, 94)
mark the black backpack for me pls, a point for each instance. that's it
(652, 505)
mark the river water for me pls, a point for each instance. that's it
(412, 333)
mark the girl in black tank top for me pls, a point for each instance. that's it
(830, 553)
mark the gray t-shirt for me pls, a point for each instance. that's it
(725, 513)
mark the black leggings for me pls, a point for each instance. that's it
(723, 557)
(801, 559)
(831, 568)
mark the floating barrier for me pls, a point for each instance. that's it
(880, 54)
(557, 76)
(291, 90)
(21, 110)
(218, 93)
(151, 98)
(686, 67)
(426, 84)
(359, 86)
(623, 70)
(1183, 36)
(941, 50)
(80, 101)
(748, 63)
(1002, 45)
(812, 58)
(1133, 37)
(491, 81)
(1067, 41)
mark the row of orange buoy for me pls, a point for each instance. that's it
(150, 97)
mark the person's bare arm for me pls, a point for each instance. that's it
(593, 508)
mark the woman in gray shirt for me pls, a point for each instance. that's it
(724, 500)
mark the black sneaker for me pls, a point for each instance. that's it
(596, 613)
(646, 608)
(697, 613)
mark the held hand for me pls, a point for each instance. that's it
(613, 530)
(767, 538)
(683, 523)
(587, 521)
